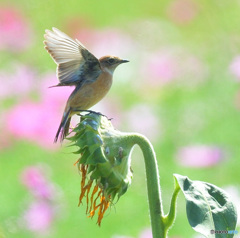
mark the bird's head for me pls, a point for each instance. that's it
(109, 63)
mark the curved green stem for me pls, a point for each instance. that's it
(153, 186)
(170, 217)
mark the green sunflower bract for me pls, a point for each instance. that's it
(104, 162)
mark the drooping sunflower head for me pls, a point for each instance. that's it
(104, 163)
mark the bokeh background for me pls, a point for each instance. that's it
(181, 89)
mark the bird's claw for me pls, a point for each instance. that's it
(90, 111)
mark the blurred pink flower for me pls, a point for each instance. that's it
(143, 119)
(107, 41)
(81, 28)
(32, 177)
(199, 156)
(111, 42)
(183, 11)
(35, 180)
(147, 233)
(45, 205)
(235, 67)
(192, 70)
(5, 138)
(172, 65)
(159, 68)
(78, 22)
(39, 217)
(19, 82)
(39, 121)
(33, 121)
(14, 30)
(101, 42)
(111, 108)
(56, 96)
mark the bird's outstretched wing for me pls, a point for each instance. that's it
(75, 64)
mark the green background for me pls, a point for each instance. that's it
(213, 35)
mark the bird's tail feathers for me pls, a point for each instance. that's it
(64, 126)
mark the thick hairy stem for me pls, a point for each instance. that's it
(153, 185)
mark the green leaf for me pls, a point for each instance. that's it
(208, 207)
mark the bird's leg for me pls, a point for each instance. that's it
(90, 111)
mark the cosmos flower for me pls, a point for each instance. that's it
(42, 211)
(39, 217)
(34, 122)
(199, 156)
(146, 233)
(235, 67)
(57, 96)
(159, 68)
(35, 180)
(14, 30)
(172, 65)
(38, 121)
(192, 70)
(115, 41)
(113, 109)
(183, 11)
(16, 82)
(143, 119)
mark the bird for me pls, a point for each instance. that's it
(76, 66)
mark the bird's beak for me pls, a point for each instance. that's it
(124, 61)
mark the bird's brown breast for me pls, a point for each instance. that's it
(90, 94)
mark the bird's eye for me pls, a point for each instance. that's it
(111, 61)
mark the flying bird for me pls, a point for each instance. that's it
(78, 67)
